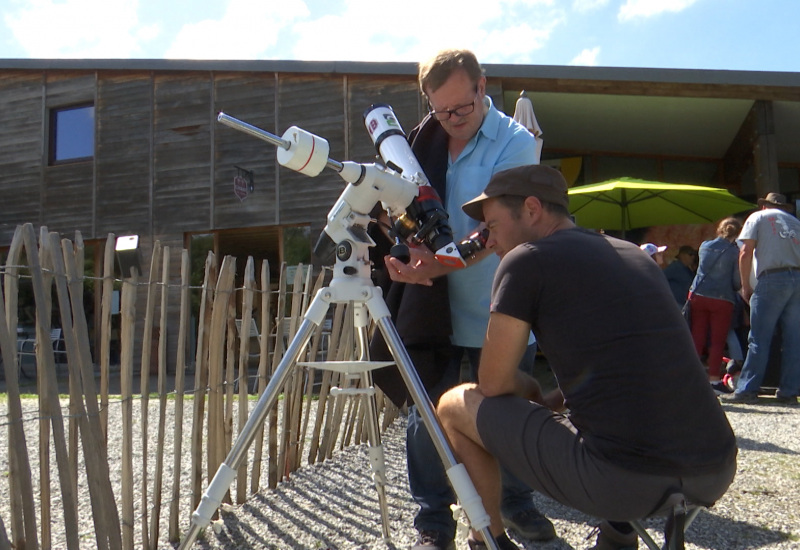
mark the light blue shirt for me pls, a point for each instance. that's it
(501, 143)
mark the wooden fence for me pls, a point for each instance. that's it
(118, 487)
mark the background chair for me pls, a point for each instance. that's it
(26, 348)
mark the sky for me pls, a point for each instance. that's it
(752, 35)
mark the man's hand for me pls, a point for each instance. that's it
(554, 400)
(746, 292)
(529, 388)
(421, 270)
(746, 266)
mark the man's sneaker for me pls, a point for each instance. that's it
(745, 398)
(609, 538)
(531, 524)
(433, 540)
(720, 387)
(503, 543)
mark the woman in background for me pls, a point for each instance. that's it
(713, 295)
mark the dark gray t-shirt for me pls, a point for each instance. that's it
(605, 318)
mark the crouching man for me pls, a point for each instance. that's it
(642, 421)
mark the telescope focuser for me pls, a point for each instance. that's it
(473, 244)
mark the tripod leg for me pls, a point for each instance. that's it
(462, 484)
(376, 456)
(377, 459)
(227, 471)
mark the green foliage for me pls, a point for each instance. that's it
(297, 245)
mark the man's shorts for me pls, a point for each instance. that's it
(546, 451)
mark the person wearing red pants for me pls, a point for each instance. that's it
(712, 296)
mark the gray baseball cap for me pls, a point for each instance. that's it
(533, 180)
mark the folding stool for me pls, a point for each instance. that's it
(680, 515)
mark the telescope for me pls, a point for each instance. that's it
(425, 219)
(398, 183)
(404, 192)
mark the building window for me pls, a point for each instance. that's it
(71, 134)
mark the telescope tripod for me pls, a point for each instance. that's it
(351, 284)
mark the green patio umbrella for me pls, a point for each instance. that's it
(628, 203)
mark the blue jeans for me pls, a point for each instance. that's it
(427, 479)
(734, 347)
(776, 299)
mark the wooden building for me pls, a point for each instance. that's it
(134, 146)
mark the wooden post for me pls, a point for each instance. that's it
(263, 358)
(162, 402)
(229, 373)
(345, 353)
(244, 359)
(23, 509)
(290, 397)
(299, 302)
(312, 374)
(76, 338)
(49, 398)
(127, 332)
(105, 329)
(765, 149)
(219, 315)
(180, 370)
(201, 377)
(273, 457)
(144, 380)
(319, 437)
(76, 407)
(44, 427)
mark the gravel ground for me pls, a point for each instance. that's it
(334, 505)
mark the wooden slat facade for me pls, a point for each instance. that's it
(124, 127)
(249, 97)
(318, 106)
(163, 165)
(21, 150)
(182, 120)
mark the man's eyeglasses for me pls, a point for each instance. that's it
(461, 110)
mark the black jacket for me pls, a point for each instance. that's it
(420, 313)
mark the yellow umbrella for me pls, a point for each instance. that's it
(628, 203)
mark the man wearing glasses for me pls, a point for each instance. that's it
(441, 313)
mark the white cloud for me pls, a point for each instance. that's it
(508, 33)
(362, 30)
(583, 6)
(588, 57)
(648, 8)
(245, 31)
(515, 43)
(396, 30)
(79, 28)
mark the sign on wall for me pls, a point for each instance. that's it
(242, 183)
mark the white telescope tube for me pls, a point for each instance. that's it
(390, 141)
